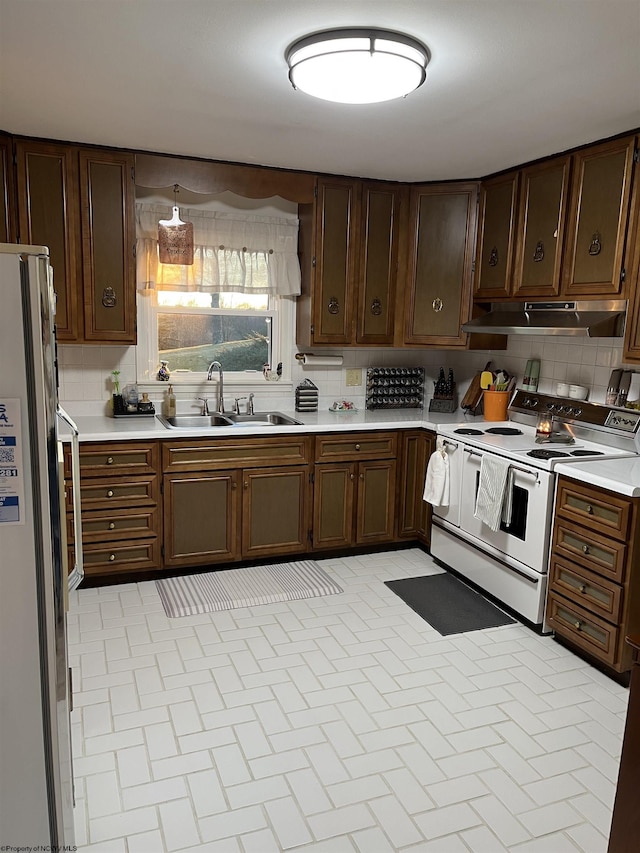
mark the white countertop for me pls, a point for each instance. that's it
(102, 428)
(620, 475)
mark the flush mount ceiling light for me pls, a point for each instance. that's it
(357, 66)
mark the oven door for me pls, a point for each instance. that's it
(526, 539)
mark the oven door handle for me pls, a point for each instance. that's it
(515, 467)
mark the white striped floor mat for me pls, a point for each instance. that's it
(247, 587)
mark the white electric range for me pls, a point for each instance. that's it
(511, 563)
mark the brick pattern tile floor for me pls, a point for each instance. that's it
(339, 724)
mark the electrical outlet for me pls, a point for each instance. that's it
(354, 377)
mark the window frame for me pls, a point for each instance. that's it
(283, 332)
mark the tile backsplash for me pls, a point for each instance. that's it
(85, 371)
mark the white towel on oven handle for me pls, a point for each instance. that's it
(492, 487)
(436, 483)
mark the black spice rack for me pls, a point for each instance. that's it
(395, 388)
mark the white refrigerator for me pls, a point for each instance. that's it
(36, 777)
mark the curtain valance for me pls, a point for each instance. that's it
(233, 251)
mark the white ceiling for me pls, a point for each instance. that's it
(509, 81)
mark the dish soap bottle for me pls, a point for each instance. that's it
(170, 402)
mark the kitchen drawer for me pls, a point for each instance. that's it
(112, 494)
(587, 631)
(607, 513)
(116, 458)
(250, 451)
(590, 550)
(598, 595)
(116, 525)
(347, 447)
(121, 557)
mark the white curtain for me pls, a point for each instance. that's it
(237, 252)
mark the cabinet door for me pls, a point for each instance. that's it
(543, 203)
(597, 219)
(376, 501)
(49, 216)
(438, 299)
(496, 229)
(7, 203)
(335, 262)
(201, 518)
(333, 505)
(631, 351)
(378, 264)
(274, 511)
(414, 515)
(108, 232)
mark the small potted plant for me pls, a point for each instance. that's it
(118, 402)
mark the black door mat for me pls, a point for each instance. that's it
(448, 604)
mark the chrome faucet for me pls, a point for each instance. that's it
(250, 405)
(215, 365)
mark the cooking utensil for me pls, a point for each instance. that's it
(486, 380)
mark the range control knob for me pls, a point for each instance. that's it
(530, 401)
(577, 413)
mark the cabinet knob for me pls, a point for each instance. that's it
(333, 307)
(353, 476)
(577, 624)
(437, 304)
(583, 588)
(362, 476)
(595, 247)
(585, 549)
(110, 493)
(112, 525)
(538, 252)
(589, 509)
(109, 298)
(493, 257)
(376, 308)
(245, 484)
(109, 460)
(357, 447)
(112, 557)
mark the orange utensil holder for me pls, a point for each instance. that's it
(495, 405)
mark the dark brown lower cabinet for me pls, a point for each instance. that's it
(342, 489)
(625, 824)
(414, 515)
(222, 516)
(275, 511)
(201, 515)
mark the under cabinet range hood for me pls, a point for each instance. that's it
(593, 319)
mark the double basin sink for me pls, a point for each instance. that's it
(217, 419)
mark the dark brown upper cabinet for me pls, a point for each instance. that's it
(7, 200)
(540, 229)
(80, 204)
(597, 219)
(108, 237)
(349, 246)
(378, 264)
(49, 215)
(496, 236)
(441, 239)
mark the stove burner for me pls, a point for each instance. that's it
(504, 431)
(546, 454)
(586, 453)
(468, 431)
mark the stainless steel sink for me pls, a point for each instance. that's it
(262, 419)
(195, 421)
(217, 419)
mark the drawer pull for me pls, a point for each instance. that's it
(583, 588)
(112, 557)
(112, 525)
(585, 549)
(357, 447)
(577, 624)
(110, 493)
(246, 484)
(589, 509)
(109, 460)
(353, 476)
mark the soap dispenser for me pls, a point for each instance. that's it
(170, 402)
